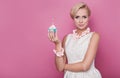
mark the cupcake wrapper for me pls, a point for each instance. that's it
(54, 30)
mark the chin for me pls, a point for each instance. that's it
(82, 27)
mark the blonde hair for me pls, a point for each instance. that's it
(78, 6)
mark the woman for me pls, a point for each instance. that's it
(79, 48)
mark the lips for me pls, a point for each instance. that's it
(81, 25)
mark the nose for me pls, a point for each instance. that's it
(80, 20)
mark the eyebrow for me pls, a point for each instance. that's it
(81, 16)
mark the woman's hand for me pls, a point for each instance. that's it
(53, 37)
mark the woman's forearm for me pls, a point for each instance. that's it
(60, 62)
(76, 67)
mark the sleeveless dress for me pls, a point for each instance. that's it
(75, 51)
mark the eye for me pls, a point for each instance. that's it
(84, 16)
(77, 17)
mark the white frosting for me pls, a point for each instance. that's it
(52, 27)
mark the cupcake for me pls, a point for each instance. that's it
(52, 28)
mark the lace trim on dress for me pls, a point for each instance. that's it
(76, 36)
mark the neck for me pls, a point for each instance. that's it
(79, 31)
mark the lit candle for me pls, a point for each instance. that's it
(52, 27)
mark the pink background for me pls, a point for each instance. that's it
(26, 52)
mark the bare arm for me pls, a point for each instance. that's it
(89, 57)
(59, 61)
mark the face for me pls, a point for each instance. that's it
(81, 19)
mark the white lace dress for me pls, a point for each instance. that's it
(75, 51)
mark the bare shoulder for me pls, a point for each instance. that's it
(65, 37)
(96, 36)
(64, 40)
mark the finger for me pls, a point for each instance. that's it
(50, 33)
(52, 40)
(49, 36)
(56, 34)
